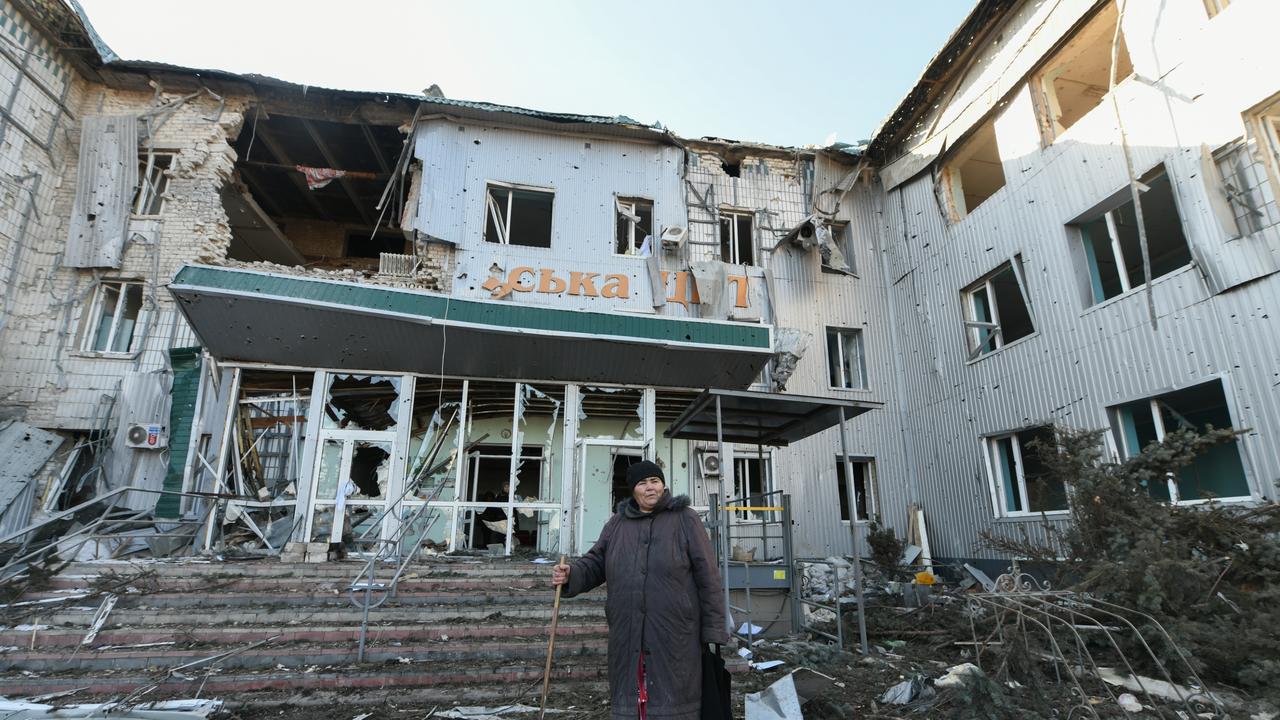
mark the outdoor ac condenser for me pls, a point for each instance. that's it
(709, 464)
(673, 236)
(146, 437)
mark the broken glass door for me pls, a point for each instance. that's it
(601, 484)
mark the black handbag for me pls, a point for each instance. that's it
(716, 701)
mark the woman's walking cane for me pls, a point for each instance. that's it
(551, 644)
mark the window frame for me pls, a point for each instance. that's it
(1118, 200)
(842, 237)
(625, 208)
(504, 228)
(734, 250)
(1262, 122)
(146, 194)
(839, 333)
(973, 327)
(92, 319)
(869, 483)
(995, 484)
(1120, 440)
(951, 176)
(763, 461)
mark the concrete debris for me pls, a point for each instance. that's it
(168, 710)
(783, 699)
(1129, 703)
(958, 676)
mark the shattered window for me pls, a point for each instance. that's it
(737, 244)
(112, 317)
(842, 239)
(1216, 473)
(362, 402)
(153, 180)
(518, 216)
(1112, 247)
(1246, 186)
(1077, 78)
(862, 489)
(1019, 479)
(845, 361)
(996, 311)
(635, 223)
(751, 479)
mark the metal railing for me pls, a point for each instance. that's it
(774, 510)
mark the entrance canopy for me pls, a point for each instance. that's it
(757, 418)
(303, 321)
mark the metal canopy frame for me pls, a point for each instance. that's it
(758, 418)
(776, 420)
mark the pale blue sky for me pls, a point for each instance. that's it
(787, 73)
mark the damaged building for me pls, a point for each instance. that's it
(273, 318)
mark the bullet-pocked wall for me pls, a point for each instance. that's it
(1085, 350)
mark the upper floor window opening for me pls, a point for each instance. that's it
(153, 181)
(109, 324)
(841, 242)
(1077, 77)
(518, 215)
(1112, 248)
(737, 239)
(1217, 473)
(997, 310)
(975, 172)
(846, 363)
(1243, 186)
(634, 224)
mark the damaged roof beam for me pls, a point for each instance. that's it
(344, 181)
(295, 177)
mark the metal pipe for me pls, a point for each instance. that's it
(853, 532)
(723, 517)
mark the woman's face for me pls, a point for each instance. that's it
(648, 492)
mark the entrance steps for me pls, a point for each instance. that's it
(461, 631)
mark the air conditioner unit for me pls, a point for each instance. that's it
(673, 236)
(146, 437)
(709, 464)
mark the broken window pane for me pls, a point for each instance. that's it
(846, 365)
(842, 239)
(113, 316)
(1217, 473)
(1077, 77)
(362, 402)
(975, 172)
(1113, 250)
(608, 412)
(737, 245)
(1018, 476)
(518, 216)
(273, 410)
(148, 198)
(862, 473)
(996, 310)
(1246, 185)
(635, 222)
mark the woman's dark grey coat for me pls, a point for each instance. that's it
(665, 597)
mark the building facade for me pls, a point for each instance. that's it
(282, 314)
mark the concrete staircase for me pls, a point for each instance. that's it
(463, 631)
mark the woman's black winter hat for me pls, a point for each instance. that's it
(641, 470)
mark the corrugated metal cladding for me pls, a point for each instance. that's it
(778, 194)
(24, 449)
(1083, 357)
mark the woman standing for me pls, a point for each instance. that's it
(665, 601)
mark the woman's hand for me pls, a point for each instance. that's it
(560, 575)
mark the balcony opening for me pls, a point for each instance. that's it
(1077, 77)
